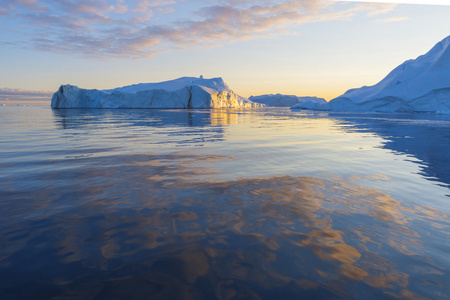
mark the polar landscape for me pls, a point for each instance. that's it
(307, 163)
(417, 85)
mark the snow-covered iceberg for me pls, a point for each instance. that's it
(185, 92)
(280, 100)
(419, 85)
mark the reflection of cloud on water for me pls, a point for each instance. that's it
(160, 225)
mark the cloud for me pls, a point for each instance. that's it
(370, 9)
(373, 9)
(138, 29)
(7, 94)
(392, 19)
(144, 6)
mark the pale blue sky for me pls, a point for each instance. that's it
(307, 48)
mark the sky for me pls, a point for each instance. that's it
(306, 48)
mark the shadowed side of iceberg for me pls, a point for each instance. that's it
(70, 96)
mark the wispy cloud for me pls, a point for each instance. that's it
(392, 19)
(374, 9)
(136, 28)
(24, 95)
(370, 9)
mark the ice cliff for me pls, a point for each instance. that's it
(185, 92)
(419, 85)
(287, 100)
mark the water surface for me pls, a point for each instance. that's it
(223, 204)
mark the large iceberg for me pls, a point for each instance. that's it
(280, 100)
(185, 92)
(419, 85)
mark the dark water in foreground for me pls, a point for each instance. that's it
(211, 204)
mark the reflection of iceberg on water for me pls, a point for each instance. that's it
(185, 92)
(220, 117)
(87, 118)
(424, 136)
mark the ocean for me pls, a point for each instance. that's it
(223, 204)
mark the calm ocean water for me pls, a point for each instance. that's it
(223, 204)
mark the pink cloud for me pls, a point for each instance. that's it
(125, 29)
(144, 6)
(120, 9)
(393, 19)
(376, 8)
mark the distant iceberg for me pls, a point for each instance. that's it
(185, 92)
(279, 100)
(419, 85)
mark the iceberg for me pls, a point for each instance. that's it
(185, 92)
(280, 100)
(417, 85)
